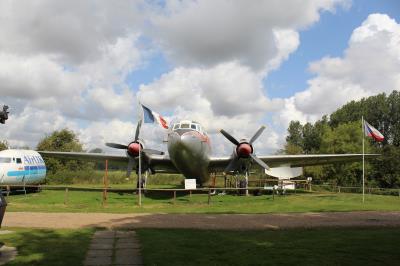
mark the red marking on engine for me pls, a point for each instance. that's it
(244, 150)
(133, 149)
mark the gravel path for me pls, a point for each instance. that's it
(202, 221)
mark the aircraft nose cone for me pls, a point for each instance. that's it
(185, 140)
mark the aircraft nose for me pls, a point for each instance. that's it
(185, 140)
(188, 141)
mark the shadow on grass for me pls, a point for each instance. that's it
(274, 247)
(49, 247)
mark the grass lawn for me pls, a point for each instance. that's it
(211, 247)
(48, 247)
(79, 201)
(282, 247)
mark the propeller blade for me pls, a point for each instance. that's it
(139, 125)
(117, 146)
(151, 151)
(232, 165)
(229, 137)
(130, 167)
(258, 133)
(259, 161)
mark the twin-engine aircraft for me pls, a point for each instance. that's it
(189, 154)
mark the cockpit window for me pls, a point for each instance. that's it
(193, 126)
(185, 126)
(5, 160)
(19, 160)
(176, 126)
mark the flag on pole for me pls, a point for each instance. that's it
(150, 116)
(372, 132)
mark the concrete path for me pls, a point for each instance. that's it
(202, 221)
(113, 248)
(7, 253)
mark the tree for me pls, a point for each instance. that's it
(342, 134)
(345, 138)
(3, 145)
(63, 140)
(294, 139)
(96, 150)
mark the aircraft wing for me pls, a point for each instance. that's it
(218, 164)
(159, 163)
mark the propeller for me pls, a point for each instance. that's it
(133, 149)
(244, 149)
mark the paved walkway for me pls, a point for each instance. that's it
(202, 221)
(113, 248)
(7, 253)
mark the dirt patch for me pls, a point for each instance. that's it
(203, 221)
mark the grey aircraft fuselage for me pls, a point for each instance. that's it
(189, 149)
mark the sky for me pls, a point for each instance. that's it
(236, 65)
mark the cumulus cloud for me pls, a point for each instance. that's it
(70, 31)
(31, 125)
(210, 32)
(68, 60)
(370, 65)
(74, 57)
(227, 90)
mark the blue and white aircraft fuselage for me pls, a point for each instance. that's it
(21, 167)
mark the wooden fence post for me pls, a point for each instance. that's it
(209, 196)
(174, 196)
(273, 193)
(105, 185)
(66, 196)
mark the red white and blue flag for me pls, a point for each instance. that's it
(372, 132)
(150, 116)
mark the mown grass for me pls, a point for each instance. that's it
(281, 247)
(349, 246)
(48, 247)
(163, 202)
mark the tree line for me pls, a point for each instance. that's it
(341, 132)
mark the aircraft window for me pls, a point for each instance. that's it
(19, 160)
(5, 160)
(193, 126)
(176, 126)
(185, 126)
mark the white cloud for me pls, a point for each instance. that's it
(75, 57)
(31, 125)
(228, 89)
(36, 77)
(370, 65)
(211, 32)
(69, 31)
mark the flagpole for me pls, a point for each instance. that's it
(140, 168)
(363, 157)
(140, 176)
